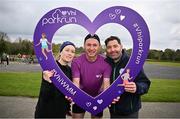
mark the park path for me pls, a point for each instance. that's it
(152, 71)
(24, 107)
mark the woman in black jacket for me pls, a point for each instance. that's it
(52, 103)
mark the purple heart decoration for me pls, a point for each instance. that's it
(61, 16)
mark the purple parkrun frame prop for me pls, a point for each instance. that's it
(61, 16)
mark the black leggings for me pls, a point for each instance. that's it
(77, 109)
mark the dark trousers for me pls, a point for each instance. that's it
(117, 115)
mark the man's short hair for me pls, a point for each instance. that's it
(111, 38)
(94, 36)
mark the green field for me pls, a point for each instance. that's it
(164, 63)
(163, 90)
(28, 84)
(20, 84)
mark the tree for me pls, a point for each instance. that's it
(129, 51)
(155, 54)
(26, 47)
(79, 50)
(169, 54)
(177, 55)
(55, 48)
(152, 54)
(4, 39)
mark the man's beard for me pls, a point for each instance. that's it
(117, 58)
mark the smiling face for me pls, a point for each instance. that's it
(114, 49)
(92, 47)
(68, 53)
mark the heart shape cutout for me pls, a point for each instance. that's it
(131, 20)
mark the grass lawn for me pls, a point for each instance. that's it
(28, 84)
(164, 63)
(20, 84)
(163, 90)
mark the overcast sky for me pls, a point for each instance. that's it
(18, 18)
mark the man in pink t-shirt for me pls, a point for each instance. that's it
(90, 72)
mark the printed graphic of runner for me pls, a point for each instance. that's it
(44, 45)
(125, 77)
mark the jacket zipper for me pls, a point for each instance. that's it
(131, 103)
(114, 76)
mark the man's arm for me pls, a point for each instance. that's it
(142, 83)
(76, 82)
(75, 73)
(106, 83)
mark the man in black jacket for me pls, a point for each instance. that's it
(130, 101)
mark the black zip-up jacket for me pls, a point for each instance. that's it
(52, 102)
(129, 102)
